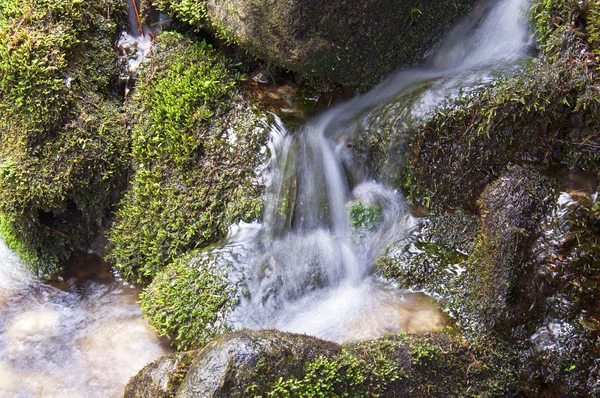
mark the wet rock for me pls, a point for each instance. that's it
(198, 147)
(497, 272)
(265, 363)
(161, 378)
(352, 42)
(63, 150)
(563, 351)
(229, 365)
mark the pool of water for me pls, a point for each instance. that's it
(79, 335)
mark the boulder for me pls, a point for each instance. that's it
(63, 150)
(197, 147)
(161, 378)
(273, 363)
(354, 42)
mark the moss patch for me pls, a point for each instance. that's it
(196, 149)
(63, 151)
(189, 300)
(436, 365)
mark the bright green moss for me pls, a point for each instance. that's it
(189, 299)
(63, 150)
(437, 365)
(196, 148)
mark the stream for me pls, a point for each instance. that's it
(80, 335)
(327, 222)
(306, 268)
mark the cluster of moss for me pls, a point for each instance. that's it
(547, 115)
(189, 300)
(436, 365)
(63, 151)
(305, 37)
(196, 149)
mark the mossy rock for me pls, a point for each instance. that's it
(63, 150)
(273, 363)
(190, 299)
(161, 378)
(350, 42)
(546, 114)
(479, 272)
(197, 146)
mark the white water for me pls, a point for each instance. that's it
(309, 270)
(83, 340)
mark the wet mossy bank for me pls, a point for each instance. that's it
(272, 363)
(352, 42)
(63, 150)
(546, 114)
(502, 248)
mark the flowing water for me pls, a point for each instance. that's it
(310, 265)
(78, 336)
(306, 268)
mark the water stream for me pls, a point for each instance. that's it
(311, 264)
(81, 335)
(306, 268)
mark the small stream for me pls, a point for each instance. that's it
(310, 268)
(305, 268)
(81, 335)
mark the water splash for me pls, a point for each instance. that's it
(310, 271)
(86, 339)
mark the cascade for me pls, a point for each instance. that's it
(309, 267)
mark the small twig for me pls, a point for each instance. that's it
(137, 17)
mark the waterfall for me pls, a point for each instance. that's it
(136, 44)
(311, 265)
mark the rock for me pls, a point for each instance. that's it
(229, 365)
(161, 378)
(63, 150)
(498, 271)
(348, 41)
(197, 147)
(272, 363)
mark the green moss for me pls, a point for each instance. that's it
(365, 217)
(593, 25)
(63, 152)
(189, 300)
(196, 149)
(434, 365)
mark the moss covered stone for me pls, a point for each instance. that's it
(63, 149)
(272, 363)
(546, 114)
(351, 42)
(481, 273)
(197, 146)
(161, 378)
(190, 299)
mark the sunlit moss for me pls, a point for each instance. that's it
(63, 151)
(196, 149)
